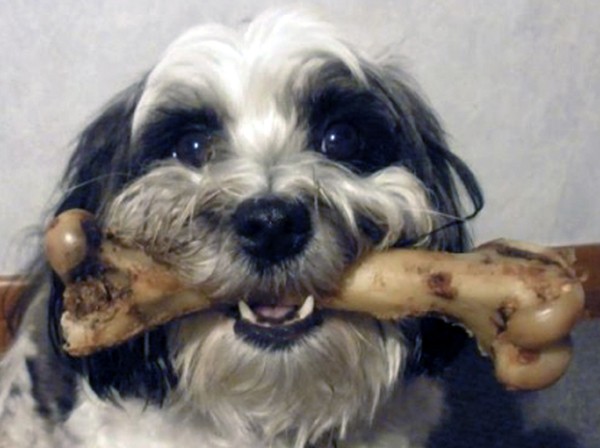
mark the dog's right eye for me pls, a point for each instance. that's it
(193, 148)
(340, 142)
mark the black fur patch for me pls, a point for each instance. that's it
(99, 166)
(53, 387)
(162, 135)
(367, 115)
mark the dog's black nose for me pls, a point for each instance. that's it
(272, 229)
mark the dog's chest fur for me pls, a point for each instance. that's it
(403, 422)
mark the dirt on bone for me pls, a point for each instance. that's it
(560, 258)
(93, 295)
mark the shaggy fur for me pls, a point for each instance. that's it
(261, 164)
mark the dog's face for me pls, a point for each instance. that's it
(261, 165)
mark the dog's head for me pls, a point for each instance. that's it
(261, 164)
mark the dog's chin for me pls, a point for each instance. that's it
(316, 371)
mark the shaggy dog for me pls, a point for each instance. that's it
(261, 164)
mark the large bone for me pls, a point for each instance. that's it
(518, 300)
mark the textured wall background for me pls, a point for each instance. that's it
(516, 82)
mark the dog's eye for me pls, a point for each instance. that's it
(193, 148)
(340, 142)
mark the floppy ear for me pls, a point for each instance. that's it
(424, 151)
(99, 167)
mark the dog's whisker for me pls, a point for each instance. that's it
(92, 182)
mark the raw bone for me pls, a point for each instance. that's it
(518, 300)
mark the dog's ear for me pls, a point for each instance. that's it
(98, 166)
(453, 189)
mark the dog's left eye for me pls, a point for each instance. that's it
(340, 142)
(192, 148)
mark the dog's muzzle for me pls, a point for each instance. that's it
(271, 231)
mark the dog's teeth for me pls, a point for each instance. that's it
(246, 312)
(307, 308)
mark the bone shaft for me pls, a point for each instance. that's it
(470, 289)
(422, 282)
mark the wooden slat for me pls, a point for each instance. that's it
(11, 288)
(588, 266)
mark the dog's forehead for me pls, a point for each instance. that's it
(249, 72)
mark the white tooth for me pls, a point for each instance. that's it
(246, 312)
(307, 307)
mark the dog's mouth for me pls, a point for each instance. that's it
(275, 326)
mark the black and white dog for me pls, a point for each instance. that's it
(260, 163)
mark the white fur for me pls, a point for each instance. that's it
(245, 74)
(345, 371)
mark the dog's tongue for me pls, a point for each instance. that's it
(277, 312)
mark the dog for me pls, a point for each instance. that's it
(260, 163)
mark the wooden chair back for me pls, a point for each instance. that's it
(11, 288)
